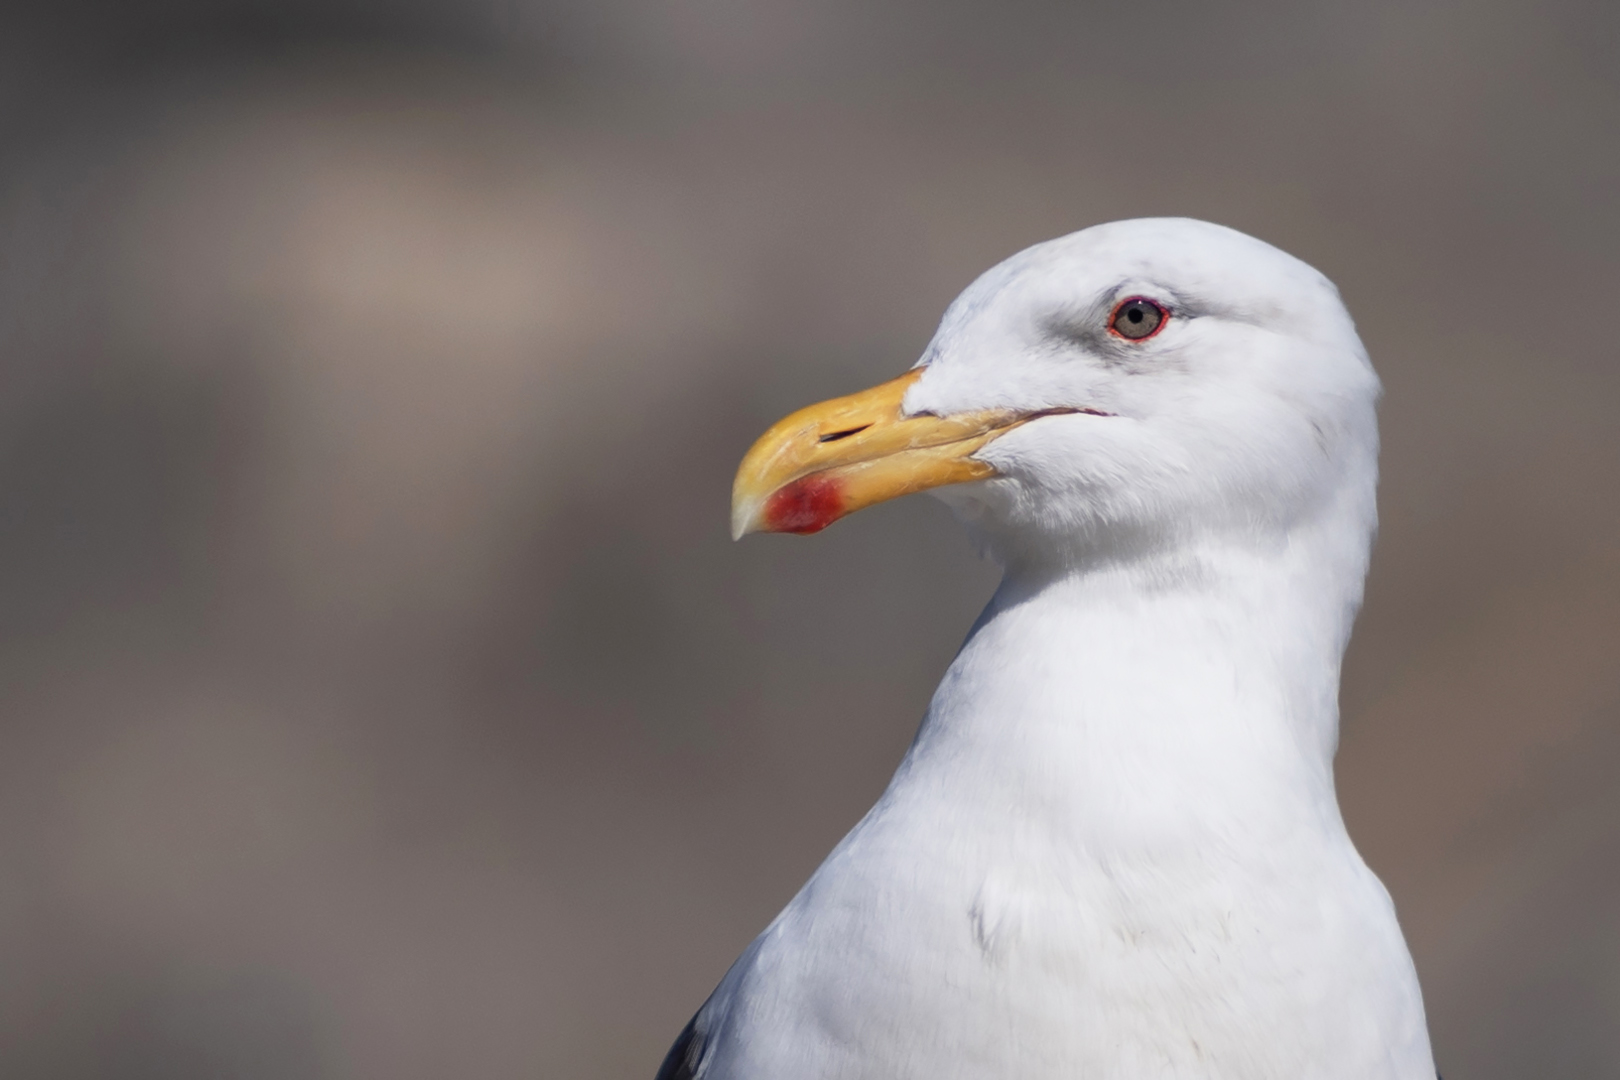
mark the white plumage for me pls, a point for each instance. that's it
(1115, 850)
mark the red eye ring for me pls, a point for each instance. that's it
(1137, 318)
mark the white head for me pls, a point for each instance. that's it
(1249, 405)
(1127, 387)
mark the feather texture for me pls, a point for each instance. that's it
(1114, 849)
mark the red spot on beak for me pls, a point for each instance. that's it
(807, 505)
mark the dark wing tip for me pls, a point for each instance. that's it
(682, 1060)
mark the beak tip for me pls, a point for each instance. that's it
(744, 520)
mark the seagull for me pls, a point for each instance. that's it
(1114, 849)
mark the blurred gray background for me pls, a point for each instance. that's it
(380, 695)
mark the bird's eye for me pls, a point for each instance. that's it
(1137, 318)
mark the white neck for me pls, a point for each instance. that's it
(1160, 700)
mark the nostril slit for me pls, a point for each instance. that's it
(834, 436)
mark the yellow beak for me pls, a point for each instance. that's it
(840, 456)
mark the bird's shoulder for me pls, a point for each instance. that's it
(683, 1060)
(690, 1056)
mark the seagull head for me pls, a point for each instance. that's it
(1129, 387)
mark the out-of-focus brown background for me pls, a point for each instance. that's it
(380, 695)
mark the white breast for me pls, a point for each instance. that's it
(1088, 869)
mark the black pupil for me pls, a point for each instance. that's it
(1137, 319)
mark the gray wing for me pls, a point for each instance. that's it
(705, 1033)
(681, 1063)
